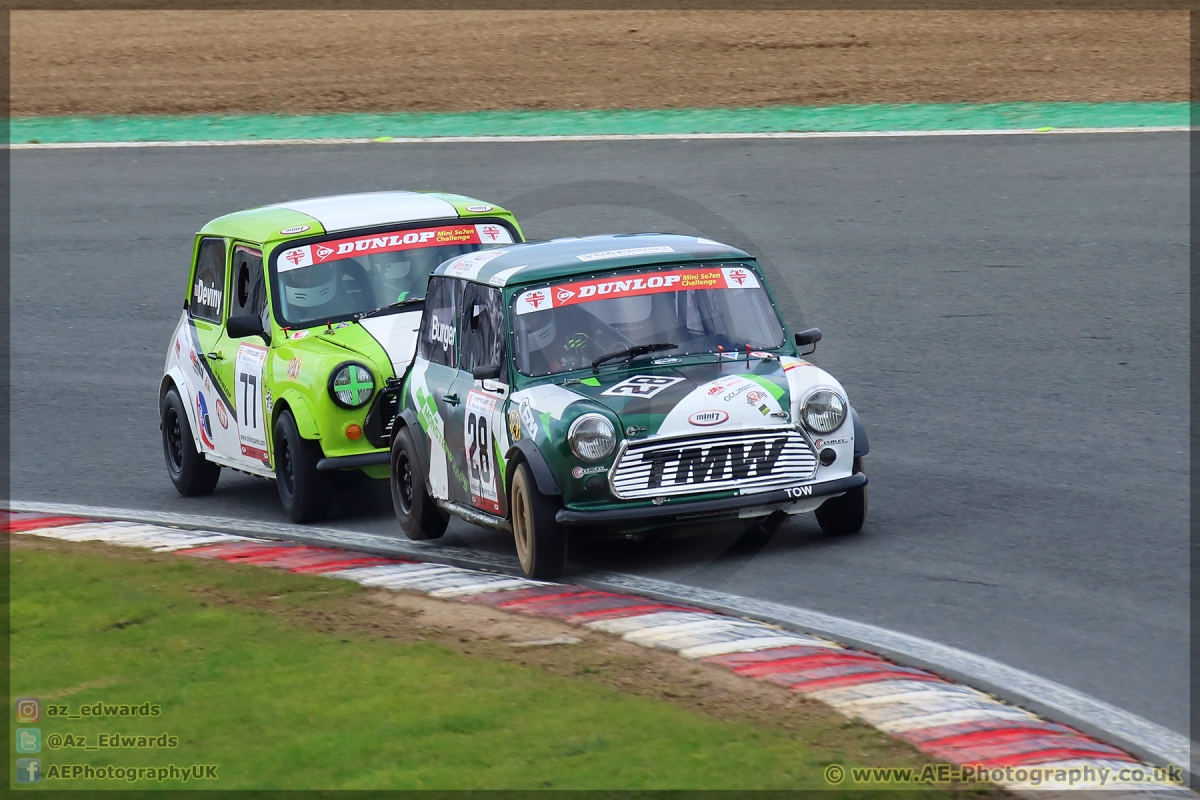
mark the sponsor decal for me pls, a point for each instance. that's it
(298, 335)
(730, 356)
(441, 333)
(819, 443)
(480, 209)
(222, 415)
(250, 400)
(712, 416)
(343, 324)
(270, 401)
(514, 425)
(755, 397)
(468, 266)
(199, 370)
(640, 386)
(699, 464)
(293, 369)
(666, 361)
(629, 251)
(207, 295)
(762, 354)
(207, 383)
(388, 243)
(205, 427)
(579, 472)
(527, 417)
(493, 234)
(800, 491)
(176, 348)
(295, 229)
(643, 283)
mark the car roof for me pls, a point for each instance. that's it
(534, 262)
(316, 215)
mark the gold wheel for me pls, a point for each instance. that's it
(522, 521)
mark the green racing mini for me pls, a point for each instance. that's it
(617, 386)
(297, 316)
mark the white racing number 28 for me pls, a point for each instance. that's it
(477, 438)
(640, 386)
(248, 390)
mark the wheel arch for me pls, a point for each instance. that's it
(176, 380)
(527, 451)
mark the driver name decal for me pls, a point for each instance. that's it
(641, 386)
(569, 294)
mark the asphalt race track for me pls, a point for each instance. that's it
(1008, 313)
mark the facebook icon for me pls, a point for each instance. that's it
(29, 770)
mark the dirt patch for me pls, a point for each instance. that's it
(482, 631)
(167, 62)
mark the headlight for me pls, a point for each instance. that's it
(592, 437)
(351, 385)
(823, 412)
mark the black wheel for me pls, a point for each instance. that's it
(418, 514)
(192, 474)
(846, 513)
(541, 545)
(303, 489)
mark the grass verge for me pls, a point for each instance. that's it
(293, 682)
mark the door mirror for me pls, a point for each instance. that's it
(486, 373)
(248, 325)
(804, 338)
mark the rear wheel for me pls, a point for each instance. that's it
(303, 489)
(192, 474)
(846, 513)
(541, 545)
(418, 514)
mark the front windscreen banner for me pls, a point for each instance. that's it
(309, 254)
(612, 287)
(340, 278)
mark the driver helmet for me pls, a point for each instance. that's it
(541, 337)
(309, 287)
(401, 271)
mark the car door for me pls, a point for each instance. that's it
(206, 321)
(240, 362)
(480, 417)
(432, 387)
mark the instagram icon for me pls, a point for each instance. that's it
(29, 709)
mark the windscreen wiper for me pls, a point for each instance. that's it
(631, 353)
(411, 301)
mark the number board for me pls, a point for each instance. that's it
(248, 395)
(640, 386)
(477, 438)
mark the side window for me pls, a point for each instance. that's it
(482, 333)
(248, 294)
(208, 283)
(439, 324)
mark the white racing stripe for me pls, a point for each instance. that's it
(600, 137)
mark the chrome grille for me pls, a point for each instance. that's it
(751, 461)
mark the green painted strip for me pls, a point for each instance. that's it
(949, 116)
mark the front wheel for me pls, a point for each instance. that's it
(418, 515)
(192, 474)
(541, 545)
(845, 514)
(303, 489)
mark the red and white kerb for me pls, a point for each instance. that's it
(309, 254)
(569, 294)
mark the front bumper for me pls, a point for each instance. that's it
(684, 511)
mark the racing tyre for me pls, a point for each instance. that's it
(303, 489)
(541, 545)
(418, 514)
(192, 474)
(846, 513)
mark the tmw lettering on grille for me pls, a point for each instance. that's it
(694, 465)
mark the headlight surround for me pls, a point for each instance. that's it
(823, 411)
(351, 385)
(592, 437)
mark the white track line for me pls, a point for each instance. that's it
(602, 137)
(1048, 698)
